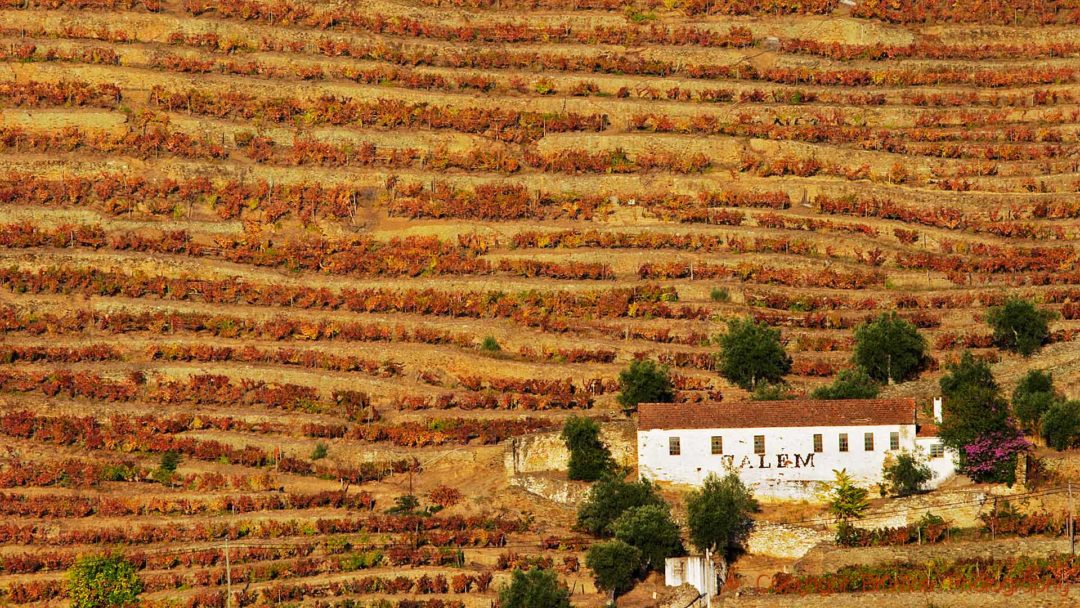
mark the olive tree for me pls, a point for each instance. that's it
(751, 354)
(889, 349)
(644, 381)
(1020, 326)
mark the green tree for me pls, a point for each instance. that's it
(848, 384)
(614, 565)
(1020, 326)
(103, 581)
(406, 504)
(590, 459)
(751, 353)
(320, 451)
(905, 474)
(650, 529)
(1034, 394)
(166, 470)
(718, 514)
(973, 406)
(845, 500)
(967, 373)
(170, 461)
(889, 349)
(644, 382)
(1061, 425)
(536, 588)
(609, 498)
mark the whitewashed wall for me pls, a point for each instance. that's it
(697, 570)
(789, 468)
(944, 468)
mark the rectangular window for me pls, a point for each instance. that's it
(817, 443)
(894, 440)
(937, 450)
(843, 442)
(717, 444)
(673, 447)
(759, 444)
(868, 442)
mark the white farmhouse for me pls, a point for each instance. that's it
(783, 449)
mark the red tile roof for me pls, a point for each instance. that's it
(765, 414)
(927, 430)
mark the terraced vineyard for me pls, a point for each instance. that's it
(241, 229)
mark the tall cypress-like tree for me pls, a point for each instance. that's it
(590, 459)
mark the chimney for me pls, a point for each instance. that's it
(937, 410)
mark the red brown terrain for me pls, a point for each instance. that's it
(239, 229)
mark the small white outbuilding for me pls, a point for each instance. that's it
(783, 449)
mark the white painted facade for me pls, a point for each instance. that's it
(941, 460)
(783, 462)
(696, 570)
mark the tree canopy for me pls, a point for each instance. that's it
(644, 381)
(846, 501)
(590, 459)
(536, 588)
(976, 422)
(905, 474)
(650, 529)
(966, 373)
(1032, 397)
(614, 565)
(751, 354)
(1020, 326)
(609, 498)
(848, 384)
(718, 514)
(889, 349)
(1061, 425)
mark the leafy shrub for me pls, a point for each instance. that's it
(848, 384)
(845, 500)
(719, 294)
(772, 392)
(445, 496)
(103, 581)
(905, 474)
(490, 345)
(170, 461)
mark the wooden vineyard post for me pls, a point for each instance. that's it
(1072, 524)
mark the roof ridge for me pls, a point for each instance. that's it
(777, 414)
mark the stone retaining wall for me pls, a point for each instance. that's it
(547, 452)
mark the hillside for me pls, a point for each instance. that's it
(409, 230)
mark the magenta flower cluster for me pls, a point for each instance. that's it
(984, 456)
